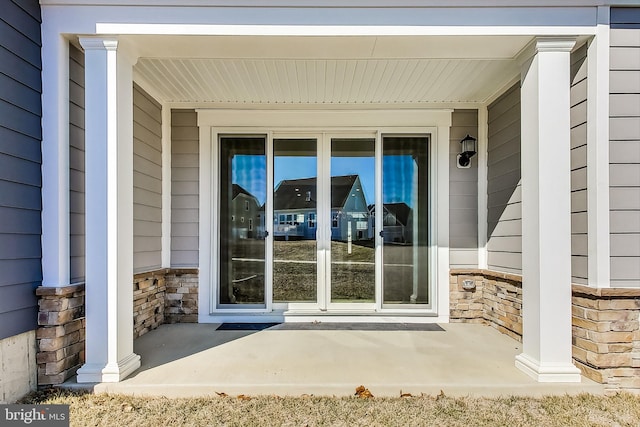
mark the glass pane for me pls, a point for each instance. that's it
(353, 270)
(405, 193)
(243, 189)
(294, 217)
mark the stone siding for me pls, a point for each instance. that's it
(61, 333)
(182, 296)
(495, 300)
(148, 301)
(606, 336)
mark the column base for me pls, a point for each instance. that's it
(550, 373)
(111, 373)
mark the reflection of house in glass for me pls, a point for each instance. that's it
(295, 211)
(397, 222)
(244, 213)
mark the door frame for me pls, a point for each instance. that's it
(213, 122)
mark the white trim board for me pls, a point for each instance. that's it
(433, 122)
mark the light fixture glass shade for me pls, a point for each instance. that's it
(469, 149)
(469, 145)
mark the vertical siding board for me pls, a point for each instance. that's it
(20, 158)
(624, 160)
(147, 182)
(504, 219)
(184, 188)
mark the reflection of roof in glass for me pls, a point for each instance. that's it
(401, 211)
(291, 193)
(237, 190)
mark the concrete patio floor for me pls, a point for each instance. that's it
(184, 360)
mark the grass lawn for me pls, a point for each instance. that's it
(119, 410)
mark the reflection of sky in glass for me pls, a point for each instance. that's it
(250, 172)
(398, 174)
(293, 167)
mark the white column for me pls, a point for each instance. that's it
(55, 158)
(109, 213)
(546, 214)
(599, 263)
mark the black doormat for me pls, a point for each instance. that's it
(245, 326)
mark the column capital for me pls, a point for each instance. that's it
(554, 44)
(99, 43)
(546, 44)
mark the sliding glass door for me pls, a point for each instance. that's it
(323, 222)
(352, 197)
(405, 220)
(241, 221)
(295, 199)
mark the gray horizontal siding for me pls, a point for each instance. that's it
(76, 165)
(579, 237)
(624, 148)
(504, 195)
(463, 195)
(625, 17)
(147, 182)
(20, 161)
(184, 188)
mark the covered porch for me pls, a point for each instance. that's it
(203, 81)
(183, 360)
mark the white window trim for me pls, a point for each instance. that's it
(426, 121)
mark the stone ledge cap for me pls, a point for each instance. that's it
(606, 292)
(486, 273)
(61, 291)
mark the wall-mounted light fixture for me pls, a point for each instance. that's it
(469, 149)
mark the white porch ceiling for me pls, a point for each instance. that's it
(327, 70)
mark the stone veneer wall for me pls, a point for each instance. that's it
(61, 333)
(167, 295)
(182, 295)
(495, 300)
(606, 322)
(606, 336)
(148, 301)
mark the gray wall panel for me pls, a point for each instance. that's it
(147, 182)
(184, 188)
(504, 216)
(463, 194)
(15, 41)
(624, 149)
(20, 162)
(579, 239)
(621, 16)
(76, 165)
